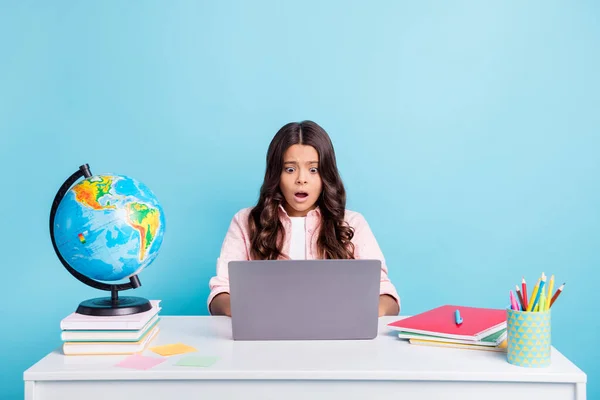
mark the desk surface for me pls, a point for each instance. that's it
(384, 358)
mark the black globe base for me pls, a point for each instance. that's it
(107, 307)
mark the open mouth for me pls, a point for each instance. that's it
(301, 195)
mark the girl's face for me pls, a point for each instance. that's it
(300, 181)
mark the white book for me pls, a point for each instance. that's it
(499, 348)
(106, 348)
(76, 321)
(490, 341)
(111, 335)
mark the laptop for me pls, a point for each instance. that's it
(304, 299)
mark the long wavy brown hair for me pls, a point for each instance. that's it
(266, 230)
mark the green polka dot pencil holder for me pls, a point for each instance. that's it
(528, 338)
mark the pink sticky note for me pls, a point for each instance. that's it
(137, 361)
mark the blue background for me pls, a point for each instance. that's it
(467, 133)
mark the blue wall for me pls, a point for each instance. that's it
(467, 134)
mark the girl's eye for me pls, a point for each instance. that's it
(314, 170)
(289, 169)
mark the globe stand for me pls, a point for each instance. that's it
(100, 306)
(115, 305)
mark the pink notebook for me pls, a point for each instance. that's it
(477, 322)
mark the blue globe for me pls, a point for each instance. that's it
(109, 227)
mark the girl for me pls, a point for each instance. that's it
(300, 214)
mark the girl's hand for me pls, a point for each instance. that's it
(388, 305)
(221, 305)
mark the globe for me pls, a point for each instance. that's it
(107, 228)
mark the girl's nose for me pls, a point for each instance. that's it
(301, 179)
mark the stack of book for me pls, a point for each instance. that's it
(122, 334)
(456, 326)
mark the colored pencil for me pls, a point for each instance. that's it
(520, 298)
(524, 287)
(558, 292)
(533, 294)
(513, 306)
(542, 303)
(540, 290)
(550, 288)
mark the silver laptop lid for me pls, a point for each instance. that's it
(304, 299)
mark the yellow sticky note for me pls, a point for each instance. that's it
(172, 349)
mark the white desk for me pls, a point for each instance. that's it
(382, 368)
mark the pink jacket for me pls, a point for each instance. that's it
(236, 246)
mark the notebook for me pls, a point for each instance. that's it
(477, 322)
(108, 335)
(492, 340)
(501, 347)
(75, 321)
(97, 348)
